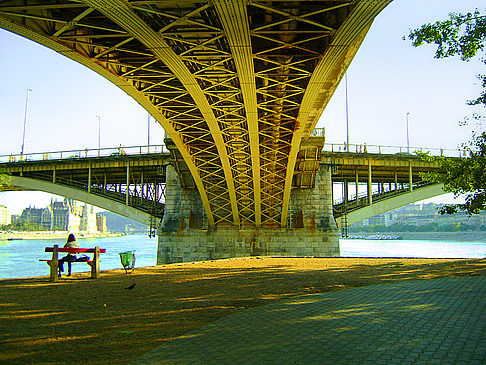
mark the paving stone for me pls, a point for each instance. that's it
(437, 321)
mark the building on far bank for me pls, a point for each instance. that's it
(5, 217)
(33, 215)
(101, 223)
(88, 220)
(423, 215)
(67, 215)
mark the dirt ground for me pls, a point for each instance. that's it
(85, 321)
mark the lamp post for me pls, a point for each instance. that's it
(408, 140)
(347, 118)
(148, 132)
(25, 120)
(99, 134)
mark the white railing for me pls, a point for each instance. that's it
(85, 153)
(148, 149)
(390, 150)
(318, 132)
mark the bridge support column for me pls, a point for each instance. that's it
(184, 236)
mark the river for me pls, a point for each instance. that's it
(21, 258)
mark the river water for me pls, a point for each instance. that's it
(21, 258)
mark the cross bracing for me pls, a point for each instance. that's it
(236, 84)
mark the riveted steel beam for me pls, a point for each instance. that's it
(234, 19)
(121, 13)
(122, 83)
(326, 77)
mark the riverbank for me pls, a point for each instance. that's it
(79, 320)
(4, 236)
(472, 236)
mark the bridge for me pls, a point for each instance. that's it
(130, 185)
(132, 181)
(238, 86)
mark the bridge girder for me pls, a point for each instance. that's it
(237, 85)
(393, 202)
(76, 194)
(137, 183)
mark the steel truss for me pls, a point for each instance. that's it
(139, 183)
(236, 84)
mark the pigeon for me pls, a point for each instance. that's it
(131, 286)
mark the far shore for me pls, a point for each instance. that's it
(52, 235)
(466, 236)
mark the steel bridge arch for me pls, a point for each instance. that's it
(392, 203)
(80, 195)
(128, 85)
(237, 85)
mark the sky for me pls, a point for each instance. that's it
(387, 79)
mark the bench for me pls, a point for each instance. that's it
(54, 265)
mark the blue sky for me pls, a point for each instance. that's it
(387, 79)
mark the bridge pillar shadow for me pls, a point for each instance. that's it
(311, 229)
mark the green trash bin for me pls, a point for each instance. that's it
(127, 260)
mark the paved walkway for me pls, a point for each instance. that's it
(440, 321)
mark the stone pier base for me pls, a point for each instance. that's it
(198, 245)
(185, 236)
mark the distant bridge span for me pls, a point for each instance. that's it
(360, 210)
(80, 195)
(132, 186)
(390, 181)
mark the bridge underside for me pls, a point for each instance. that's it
(131, 186)
(80, 195)
(237, 85)
(393, 201)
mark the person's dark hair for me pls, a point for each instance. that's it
(71, 238)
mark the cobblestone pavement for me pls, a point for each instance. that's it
(441, 321)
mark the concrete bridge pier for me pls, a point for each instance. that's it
(311, 229)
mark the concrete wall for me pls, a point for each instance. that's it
(184, 235)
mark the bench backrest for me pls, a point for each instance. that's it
(74, 250)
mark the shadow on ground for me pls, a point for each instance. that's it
(79, 320)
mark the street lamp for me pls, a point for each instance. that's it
(148, 132)
(99, 134)
(347, 118)
(408, 140)
(25, 120)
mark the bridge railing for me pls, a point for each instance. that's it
(387, 190)
(149, 149)
(384, 149)
(85, 153)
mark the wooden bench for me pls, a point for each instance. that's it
(54, 261)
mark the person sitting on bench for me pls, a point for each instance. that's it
(69, 258)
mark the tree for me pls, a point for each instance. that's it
(24, 225)
(4, 179)
(462, 35)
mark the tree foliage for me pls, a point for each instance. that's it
(463, 176)
(4, 179)
(24, 225)
(462, 35)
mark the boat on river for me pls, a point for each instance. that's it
(376, 237)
